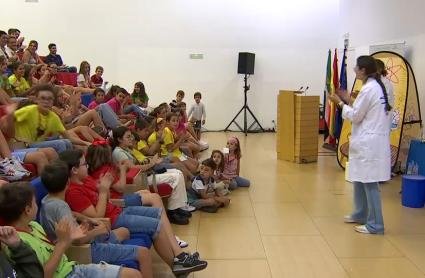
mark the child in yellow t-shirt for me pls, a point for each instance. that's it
(17, 80)
(172, 143)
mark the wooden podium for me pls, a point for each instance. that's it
(297, 127)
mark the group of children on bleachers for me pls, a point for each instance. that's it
(84, 155)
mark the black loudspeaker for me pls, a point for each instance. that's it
(246, 63)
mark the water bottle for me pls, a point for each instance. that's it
(415, 169)
(410, 167)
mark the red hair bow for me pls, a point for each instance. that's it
(100, 142)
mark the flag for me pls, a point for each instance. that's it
(343, 86)
(332, 106)
(328, 89)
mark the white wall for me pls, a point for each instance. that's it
(150, 41)
(381, 21)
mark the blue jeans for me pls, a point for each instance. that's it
(367, 206)
(140, 220)
(95, 270)
(59, 145)
(134, 108)
(239, 182)
(109, 117)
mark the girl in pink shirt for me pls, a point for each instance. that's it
(99, 97)
(232, 165)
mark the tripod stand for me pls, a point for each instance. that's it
(244, 108)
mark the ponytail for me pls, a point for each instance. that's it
(377, 77)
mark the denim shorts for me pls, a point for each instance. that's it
(132, 200)
(95, 270)
(21, 153)
(113, 253)
(145, 220)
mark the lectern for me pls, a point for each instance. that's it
(297, 127)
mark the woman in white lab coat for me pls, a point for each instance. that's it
(369, 155)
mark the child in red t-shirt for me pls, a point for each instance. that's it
(99, 98)
(91, 198)
(96, 78)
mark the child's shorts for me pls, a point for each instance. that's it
(132, 200)
(113, 253)
(140, 220)
(95, 270)
(21, 153)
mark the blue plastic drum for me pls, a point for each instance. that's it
(413, 191)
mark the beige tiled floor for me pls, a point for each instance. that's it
(289, 224)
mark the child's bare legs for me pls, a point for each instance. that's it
(4, 147)
(180, 166)
(145, 262)
(130, 273)
(223, 201)
(121, 233)
(155, 200)
(206, 203)
(191, 164)
(88, 134)
(50, 153)
(195, 148)
(38, 158)
(89, 117)
(186, 149)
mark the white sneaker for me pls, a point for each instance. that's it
(349, 219)
(362, 229)
(182, 243)
(188, 208)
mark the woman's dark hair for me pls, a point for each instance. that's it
(33, 42)
(220, 166)
(14, 198)
(118, 133)
(381, 67)
(368, 63)
(97, 156)
(71, 158)
(209, 163)
(55, 176)
(98, 90)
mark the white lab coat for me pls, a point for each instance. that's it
(369, 155)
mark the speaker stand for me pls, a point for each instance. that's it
(244, 108)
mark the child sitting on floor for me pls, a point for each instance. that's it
(232, 162)
(222, 183)
(203, 194)
(105, 244)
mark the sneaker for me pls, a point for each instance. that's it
(182, 243)
(362, 229)
(349, 219)
(177, 219)
(186, 263)
(184, 213)
(188, 208)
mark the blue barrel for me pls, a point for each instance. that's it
(413, 191)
